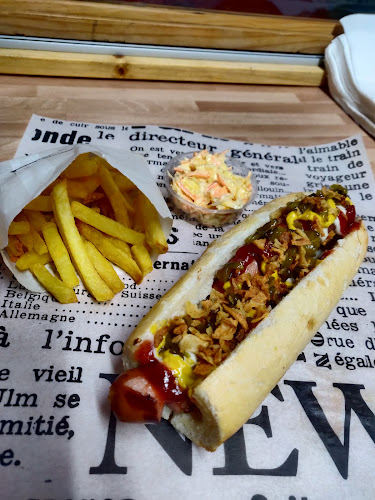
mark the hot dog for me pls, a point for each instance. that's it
(216, 344)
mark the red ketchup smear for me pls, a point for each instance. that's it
(249, 252)
(307, 225)
(246, 255)
(157, 387)
(348, 222)
(347, 225)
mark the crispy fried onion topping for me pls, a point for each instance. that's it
(212, 330)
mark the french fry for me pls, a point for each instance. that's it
(27, 240)
(93, 197)
(34, 221)
(142, 258)
(53, 285)
(138, 223)
(105, 207)
(114, 195)
(122, 181)
(104, 268)
(131, 197)
(153, 231)
(21, 227)
(65, 222)
(84, 165)
(105, 224)
(38, 243)
(82, 188)
(40, 203)
(122, 245)
(36, 218)
(128, 203)
(110, 251)
(28, 259)
(59, 254)
(14, 248)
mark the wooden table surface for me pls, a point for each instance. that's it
(293, 116)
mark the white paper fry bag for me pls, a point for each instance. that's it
(25, 178)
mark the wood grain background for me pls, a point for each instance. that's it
(111, 21)
(50, 63)
(294, 116)
(127, 23)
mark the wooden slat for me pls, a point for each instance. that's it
(294, 116)
(116, 22)
(33, 62)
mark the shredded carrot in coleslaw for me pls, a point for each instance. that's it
(206, 180)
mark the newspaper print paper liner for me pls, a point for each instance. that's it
(24, 178)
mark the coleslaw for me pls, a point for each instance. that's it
(207, 181)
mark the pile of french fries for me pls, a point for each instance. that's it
(90, 217)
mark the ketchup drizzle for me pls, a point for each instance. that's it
(244, 256)
(249, 252)
(161, 377)
(348, 222)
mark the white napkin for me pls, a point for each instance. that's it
(350, 65)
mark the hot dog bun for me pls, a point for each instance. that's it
(230, 394)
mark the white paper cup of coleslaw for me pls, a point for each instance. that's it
(204, 215)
